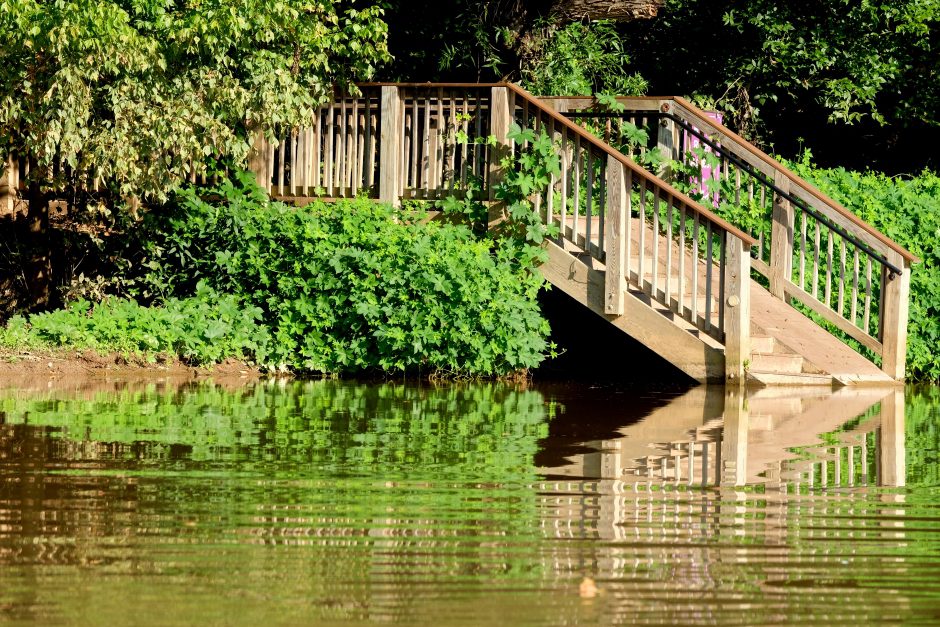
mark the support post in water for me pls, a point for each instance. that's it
(618, 212)
(500, 119)
(390, 141)
(737, 275)
(781, 239)
(896, 297)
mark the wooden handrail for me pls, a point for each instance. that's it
(631, 164)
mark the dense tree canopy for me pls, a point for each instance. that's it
(141, 91)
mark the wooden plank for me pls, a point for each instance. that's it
(328, 149)
(500, 118)
(618, 214)
(317, 156)
(390, 147)
(781, 240)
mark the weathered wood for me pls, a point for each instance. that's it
(737, 299)
(897, 293)
(781, 239)
(257, 163)
(501, 115)
(618, 213)
(390, 147)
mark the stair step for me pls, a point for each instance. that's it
(762, 344)
(779, 363)
(775, 378)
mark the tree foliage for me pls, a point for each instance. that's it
(143, 92)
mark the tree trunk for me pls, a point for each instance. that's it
(621, 10)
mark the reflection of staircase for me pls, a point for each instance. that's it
(668, 269)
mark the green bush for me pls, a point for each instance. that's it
(206, 328)
(350, 287)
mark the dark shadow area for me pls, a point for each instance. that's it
(594, 351)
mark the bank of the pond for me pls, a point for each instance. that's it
(43, 368)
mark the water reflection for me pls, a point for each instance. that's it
(333, 501)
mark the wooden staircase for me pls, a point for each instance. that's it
(771, 306)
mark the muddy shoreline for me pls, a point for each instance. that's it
(81, 369)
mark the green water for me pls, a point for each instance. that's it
(332, 502)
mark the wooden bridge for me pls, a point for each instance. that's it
(775, 300)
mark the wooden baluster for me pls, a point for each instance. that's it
(440, 164)
(708, 276)
(341, 150)
(374, 131)
(855, 288)
(841, 307)
(682, 254)
(816, 239)
(452, 143)
(589, 198)
(281, 165)
(867, 319)
(694, 303)
(618, 210)
(317, 157)
(641, 271)
(328, 138)
(803, 250)
(425, 185)
(655, 241)
(390, 144)
(563, 192)
(415, 182)
(628, 253)
(669, 244)
(829, 259)
(722, 287)
(294, 161)
(465, 127)
(550, 199)
(478, 149)
(501, 115)
(601, 203)
(576, 181)
(355, 159)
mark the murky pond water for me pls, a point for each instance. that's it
(333, 502)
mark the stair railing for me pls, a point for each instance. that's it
(810, 250)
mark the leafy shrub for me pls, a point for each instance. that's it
(349, 287)
(207, 328)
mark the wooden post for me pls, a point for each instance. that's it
(892, 453)
(896, 295)
(615, 234)
(390, 142)
(667, 140)
(8, 186)
(500, 119)
(781, 239)
(258, 161)
(737, 296)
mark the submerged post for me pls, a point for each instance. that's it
(390, 142)
(896, 294)
(500, 119)
(737, 297)
(618, 212)
(781, 238)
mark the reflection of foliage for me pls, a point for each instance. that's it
(488, 430)
(922, 436)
